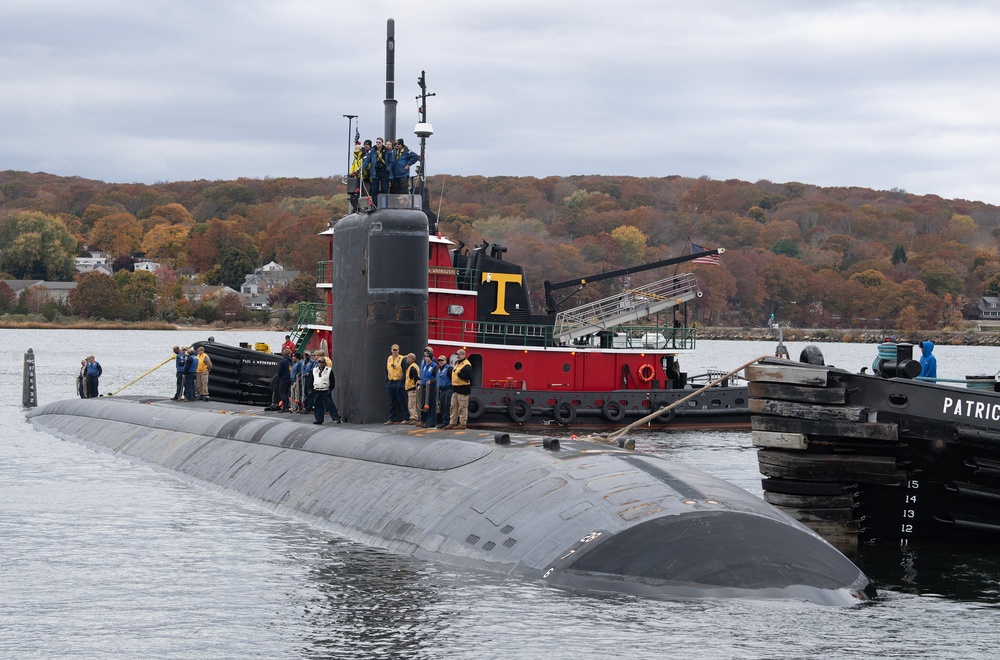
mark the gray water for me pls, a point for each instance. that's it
(100, 558)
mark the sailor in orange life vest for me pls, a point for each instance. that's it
(461, 385)
(394, 387)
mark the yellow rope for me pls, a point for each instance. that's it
(143, 376)
(613, 438)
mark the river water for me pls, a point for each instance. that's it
(101, 558)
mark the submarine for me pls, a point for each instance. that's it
(572, 514)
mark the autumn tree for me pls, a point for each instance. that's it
(165, 243)
(206, 240)
(632, 245)
(36, 246)
(230, 308)
(117, 234)
(232, 269)
(96, 296)
(139, 291)
(7, 297)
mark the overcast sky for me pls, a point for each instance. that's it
(876, 94)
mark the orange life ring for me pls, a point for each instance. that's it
(646, 373)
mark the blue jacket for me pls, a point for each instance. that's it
(444, 376)
(928, 363)
(191, 364)
(371, 162)
(428, 373)
(180, 361)
(401, 161)
(93, 369)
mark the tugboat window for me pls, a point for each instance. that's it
(566, 367)
(517, 366)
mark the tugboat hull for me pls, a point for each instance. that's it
(869, 460)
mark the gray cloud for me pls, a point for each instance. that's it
(873, 94)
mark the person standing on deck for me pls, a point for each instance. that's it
(428, 380)
(412, 387)
(443, 390)
(201, 374)
(928, 363)
(179, 361)
(394, 387)
(296, 397)
(323, 384)
(92, 373)
(81, 380)
(284, 379)
(461, 386)
(190, 374)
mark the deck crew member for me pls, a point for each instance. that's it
(428, 381)
(190, 373)
(380, 161)
(412, 387)
(443, 390)
(402, 159)
(461, 386)
(394, 387)
(201, 374)
(92, 374)
(180, 358)
(323, 384)
(928, 363)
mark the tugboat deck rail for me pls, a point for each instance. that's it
(630, 305)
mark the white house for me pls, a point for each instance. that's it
(266, 278)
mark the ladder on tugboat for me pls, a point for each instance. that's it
(625, 307)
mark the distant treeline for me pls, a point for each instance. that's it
(812, 256)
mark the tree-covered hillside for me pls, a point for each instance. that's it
(815, 257)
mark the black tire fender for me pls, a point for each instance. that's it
(476, 407)
(613, 411)
(519, 411)
(667, 417)
(564, 412)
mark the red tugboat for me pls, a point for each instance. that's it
(591, 365)
(596, 364)
(586, 366)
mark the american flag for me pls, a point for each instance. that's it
(710, 259)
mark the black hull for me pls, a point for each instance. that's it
(243, 376)
(571, 514)
(240, 375)
(869, 460)
(718, 408)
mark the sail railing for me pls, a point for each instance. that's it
(324, 272)
(314, 314)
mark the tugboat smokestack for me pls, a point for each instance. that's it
(390, 75)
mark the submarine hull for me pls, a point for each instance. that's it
(575, 515)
